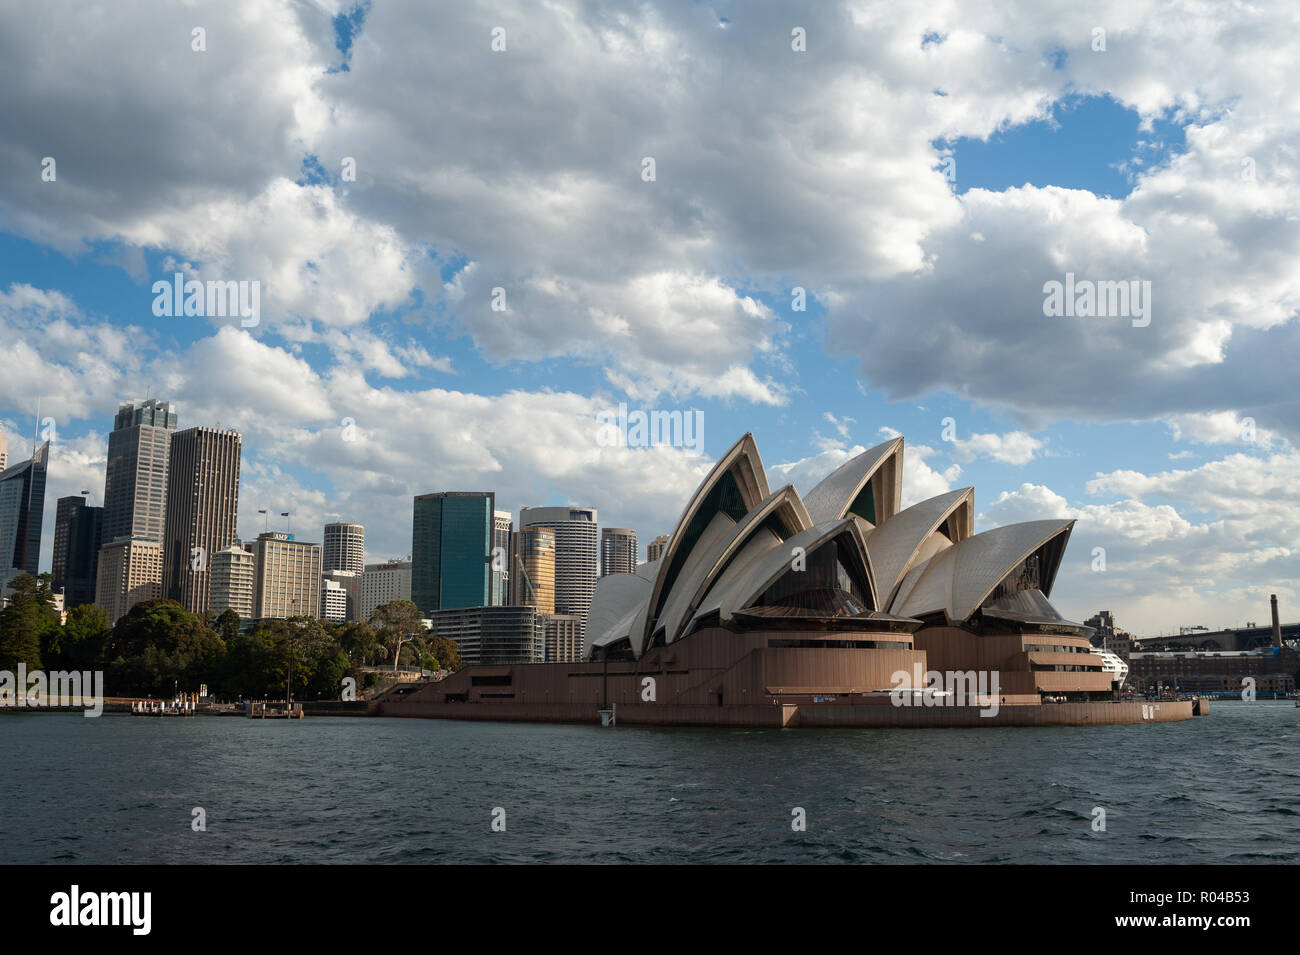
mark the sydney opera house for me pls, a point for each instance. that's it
(837, 608)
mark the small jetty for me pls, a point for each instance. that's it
(183, 705)
(274, 710)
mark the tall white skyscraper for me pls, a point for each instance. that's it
(344, 547)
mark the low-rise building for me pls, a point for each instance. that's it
(1273, 670)
(493, 635)
(334, 597)
(563, 637)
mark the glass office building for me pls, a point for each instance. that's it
(22, 507)
(451, 550)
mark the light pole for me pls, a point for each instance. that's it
(293, 606)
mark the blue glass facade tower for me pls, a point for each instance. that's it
(451, 550)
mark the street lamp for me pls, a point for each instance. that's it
(293, 605)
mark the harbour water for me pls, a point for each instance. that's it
(1221, 789)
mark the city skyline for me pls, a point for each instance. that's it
(370, 557)
(455, 291)
(154, 463)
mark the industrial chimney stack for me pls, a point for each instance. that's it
(1277, 627)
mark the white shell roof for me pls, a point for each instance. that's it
(745, 465)
(895, 544)
(703, 556)
(764, 572)
(617, 596)
(782, 503)
(912, 568)
(736, 576)
(830, 499)
(957, 580)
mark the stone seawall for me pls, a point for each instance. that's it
(1047, 714)
(808, 715)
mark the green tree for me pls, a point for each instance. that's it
(446, 651)
(159, 646)
(81, 642)
(26, 623)
(250, 665)
(328, 674)
(398, 623)
(360, 642)
(227, 625)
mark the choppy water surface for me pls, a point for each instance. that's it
(1225, 788)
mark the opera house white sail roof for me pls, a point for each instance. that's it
(843, 554)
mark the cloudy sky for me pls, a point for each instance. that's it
(919, 173)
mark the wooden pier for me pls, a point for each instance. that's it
(182, 706)
(274, 710)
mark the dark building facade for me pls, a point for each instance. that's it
(1273, 670)
(451, 550)
(494, 635)
(202, 502)
(22, 510)
(78, 530)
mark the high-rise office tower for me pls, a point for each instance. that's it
(502, 526)
(202, 502)
(617, 551)
(577, 554)
(232, 570)
(22, 509)
(4, 452)
(382, 584)
(287, 577)
(451, 550)
(344, 548)
(129, 571)
(77, 531)
(533, 582)
(655, 549)
(135, 479)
